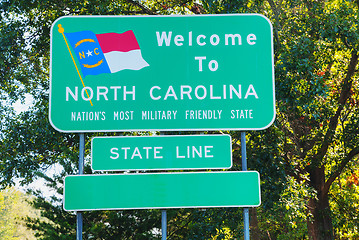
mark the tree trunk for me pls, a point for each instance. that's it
(253, 222)
(320, 225)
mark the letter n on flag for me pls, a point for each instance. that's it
(106, 53)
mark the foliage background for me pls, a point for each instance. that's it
(307, 160)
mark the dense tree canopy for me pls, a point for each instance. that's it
(307, 160)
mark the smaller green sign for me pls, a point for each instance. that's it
(162, 190)
(161, 152)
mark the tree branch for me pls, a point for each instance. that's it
(288, 169)
(197, 9)
(276, 16)
(290, 133)
(344, 95)
(144, 8)
(172, 233)
(183, 3)
(354, 152)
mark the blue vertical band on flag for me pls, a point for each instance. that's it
(88, 52)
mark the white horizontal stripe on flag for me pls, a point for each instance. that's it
(118, 61)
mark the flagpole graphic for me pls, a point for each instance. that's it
(61, 30)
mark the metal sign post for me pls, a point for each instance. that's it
(244, 168)
(164, 224)
(79, 217)
(163, 215)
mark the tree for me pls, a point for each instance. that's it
(317, 82)
(7, 223)
(316, 64)
(14, 208)
(28, 144)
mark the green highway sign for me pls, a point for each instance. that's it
(124, 73)
(161, 152)
(162, 190)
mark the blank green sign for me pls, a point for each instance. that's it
(162, 190)
(161, 152)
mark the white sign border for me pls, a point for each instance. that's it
(159, 129)
(161, 136)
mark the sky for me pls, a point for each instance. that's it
(19, 107)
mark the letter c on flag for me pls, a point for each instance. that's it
(97, 53)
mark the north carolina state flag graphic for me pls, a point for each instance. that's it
(107, 52)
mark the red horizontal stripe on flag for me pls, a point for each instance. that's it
(123, 42)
